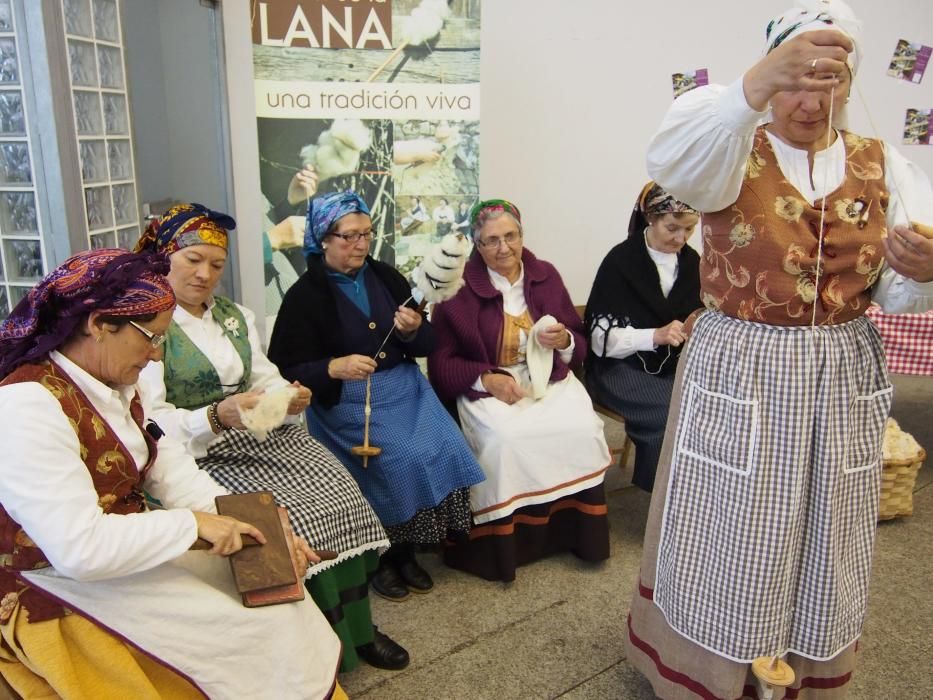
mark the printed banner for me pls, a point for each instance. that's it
(377, 96)
(909, 61)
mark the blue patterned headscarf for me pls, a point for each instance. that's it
(324, 211)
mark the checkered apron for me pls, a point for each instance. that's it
(768, 529)
(324, 503)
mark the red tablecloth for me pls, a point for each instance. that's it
(908, 340)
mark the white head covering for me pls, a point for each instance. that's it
(811, 15)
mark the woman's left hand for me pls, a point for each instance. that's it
(556, 337)
(300, 400)
(407, 320)
(909, 253)
(304, 555)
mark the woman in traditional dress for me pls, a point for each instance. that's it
(213, 368)
(100, 597)
(507, 343)
(645, 289)
(759, 539)
(443, 216)
(462, 218)
(348, 330)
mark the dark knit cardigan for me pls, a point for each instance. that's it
(627, 292)
(309, 330)
(469, 326)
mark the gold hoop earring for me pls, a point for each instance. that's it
(100, 337)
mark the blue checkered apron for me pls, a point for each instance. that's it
(424, 457)
(773, 491)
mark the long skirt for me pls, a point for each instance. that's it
(763, 515)
(325, 507)
(424, 458)
(643, 400)
(576, 523)
(544, 463)
(187, 616)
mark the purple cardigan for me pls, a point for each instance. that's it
(469, 326)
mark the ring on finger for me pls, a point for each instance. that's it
(813, 65)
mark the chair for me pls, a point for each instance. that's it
(625, 449)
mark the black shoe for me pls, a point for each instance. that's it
(388, 584)
(417, 579)
(383, 652)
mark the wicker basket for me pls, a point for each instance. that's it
(898, 477)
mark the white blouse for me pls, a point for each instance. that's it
(46, 488)
(627, 340)
(191, 427)
(703, 144)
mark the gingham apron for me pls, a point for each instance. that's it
(768, 529)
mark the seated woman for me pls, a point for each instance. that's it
(346, 329)
(644, 290)
(506, 345)
(100, 597)
(213, 367)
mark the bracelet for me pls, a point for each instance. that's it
(213, 418)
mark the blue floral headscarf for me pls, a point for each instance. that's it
(324, 211)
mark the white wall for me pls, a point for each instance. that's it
(173, 74)
(573, 90)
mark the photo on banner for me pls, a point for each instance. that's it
(377, 96)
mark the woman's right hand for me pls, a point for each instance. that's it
(228, 410)
(503, 387)
(671, 334)
(225, 532)
(790, 67)
(351, 367)
(303, 185)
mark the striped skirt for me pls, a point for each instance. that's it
(643, 400)
(763, 516)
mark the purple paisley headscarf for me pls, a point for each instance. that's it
(109, 280)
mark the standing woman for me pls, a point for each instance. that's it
(213, 367)
(329, 336)
(763, 517)
(644, 290)
(100, 596)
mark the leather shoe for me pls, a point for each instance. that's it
(383, 653)
(388, 584)
(417, 579)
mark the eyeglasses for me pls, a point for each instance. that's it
(156, 340)
(494, 242)
(354, 237)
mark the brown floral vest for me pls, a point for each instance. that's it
(113, 470)
(510, 342)
(760, 254)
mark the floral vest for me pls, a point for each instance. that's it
(113, 471)
(760, 254)
(191, 381)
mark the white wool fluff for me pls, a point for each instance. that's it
(898, 445)
(540, 359)
(269, 413)
(425, 21)
(337, 151)
(441, 273)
